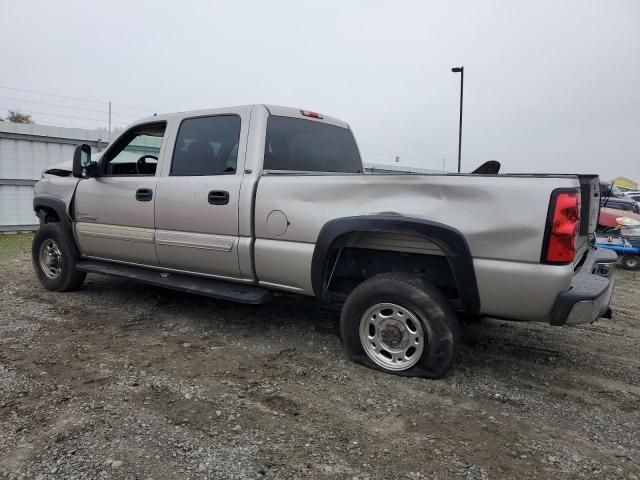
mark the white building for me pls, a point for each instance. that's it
(25, 151)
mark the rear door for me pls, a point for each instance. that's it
(196, 210)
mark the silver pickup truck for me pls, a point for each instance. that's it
(234, 203)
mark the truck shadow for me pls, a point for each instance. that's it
(481, 342)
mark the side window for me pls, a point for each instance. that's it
(207, 146)
(137, 152)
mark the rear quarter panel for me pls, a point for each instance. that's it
(502, 218)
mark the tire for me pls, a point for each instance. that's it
(54, 256)
(630, 262)
(395, 313)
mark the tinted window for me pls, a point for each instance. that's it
(306, 145)
(207, 146)
(136, 152)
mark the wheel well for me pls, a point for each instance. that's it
(355, 257)
(50, 208)
(47, 215)
(420, 238)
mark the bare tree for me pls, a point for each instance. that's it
(17, 117)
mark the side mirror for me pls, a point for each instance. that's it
(82, 164)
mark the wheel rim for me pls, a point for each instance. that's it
(50, 259)
(392, 336)
(631, 262)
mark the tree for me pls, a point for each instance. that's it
(17, 117)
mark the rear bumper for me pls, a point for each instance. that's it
(590, 293)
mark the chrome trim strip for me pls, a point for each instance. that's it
(195, 240)
(115, 232)
(279, 286)
(117, 237)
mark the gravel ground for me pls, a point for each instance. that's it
(121, 380)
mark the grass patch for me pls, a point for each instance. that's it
(13, 246)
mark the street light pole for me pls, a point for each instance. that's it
(460, 70)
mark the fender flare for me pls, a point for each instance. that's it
(449, 239)
(54, 203)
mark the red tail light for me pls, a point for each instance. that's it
(563, 222)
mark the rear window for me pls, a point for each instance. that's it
(309, 146)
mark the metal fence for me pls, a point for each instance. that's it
(25, 151)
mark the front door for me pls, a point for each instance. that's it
(114, 212)
(197, 198)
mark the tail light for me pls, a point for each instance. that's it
(563, 223)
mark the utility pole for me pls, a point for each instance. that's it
(109, 122)
(460, 70)
(443, 162)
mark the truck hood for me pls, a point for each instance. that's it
(59, 168)
(64, 169)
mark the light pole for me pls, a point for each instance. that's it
(460, 70)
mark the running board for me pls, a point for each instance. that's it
(220, 289)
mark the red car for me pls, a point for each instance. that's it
(607, 218)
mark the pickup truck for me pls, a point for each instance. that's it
(235, 203)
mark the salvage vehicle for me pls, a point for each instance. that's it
(608, 218)
(626, 204)
(633, 195)
(624, 239)
(235, 203)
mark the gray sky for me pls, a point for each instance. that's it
(549, 86)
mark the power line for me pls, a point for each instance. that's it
(31, 112)
(67, 106)
(74, 98)
(67, 125)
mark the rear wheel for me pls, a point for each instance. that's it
(400, 324)
(54, 257)
(630, 262)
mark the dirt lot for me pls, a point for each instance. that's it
(121, 380)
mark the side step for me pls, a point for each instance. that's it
(220, 289)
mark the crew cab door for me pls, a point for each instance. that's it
(197, 195)
(114, 211)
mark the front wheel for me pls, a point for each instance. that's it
(400, 324)
(630, 262)
(54, 257)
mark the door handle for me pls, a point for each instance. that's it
(218, 197)
(144, 194)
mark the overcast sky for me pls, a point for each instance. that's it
(549, 86)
